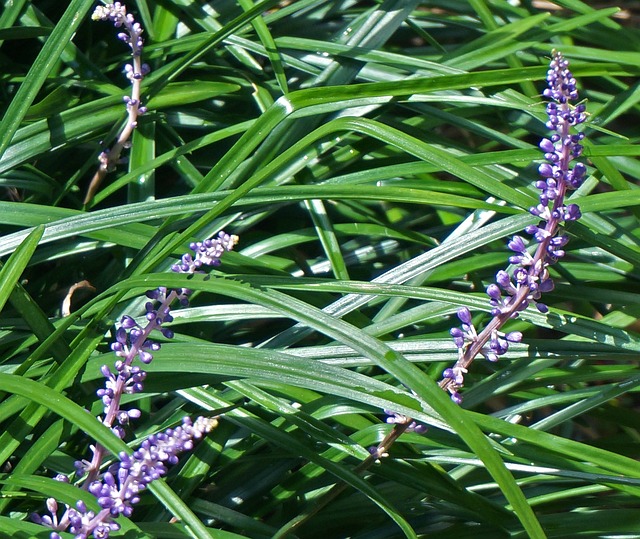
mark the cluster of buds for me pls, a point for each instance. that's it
(132, 36)
(394, 418)
(117, 490)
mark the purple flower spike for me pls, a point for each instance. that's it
(117, 490)
(529, 279)
(207, 253)
(135, 72)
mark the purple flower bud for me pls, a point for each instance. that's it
(559, 241)
(464, 315)
(449, 374)
(127, 322)
(514, 336)
(504, 280)
(547, 146)
(418, 428)
(542, 308)
(517, 244)
(490, 356)
(572, 213)
(493, 291)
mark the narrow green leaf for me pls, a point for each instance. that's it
(12, 270)
(43, 64)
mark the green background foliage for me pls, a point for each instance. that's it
(373, 157)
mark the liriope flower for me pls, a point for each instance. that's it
(135, 72)
(513, 293)
(117, 490)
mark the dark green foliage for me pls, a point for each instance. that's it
(374, 157)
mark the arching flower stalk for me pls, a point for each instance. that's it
(135, 72)
(118, 489)
(511, 294)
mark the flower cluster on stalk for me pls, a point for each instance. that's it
(513, 293)
(394, 418)
(118, 489)
(135, 72)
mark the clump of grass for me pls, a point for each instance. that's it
(375, 159)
